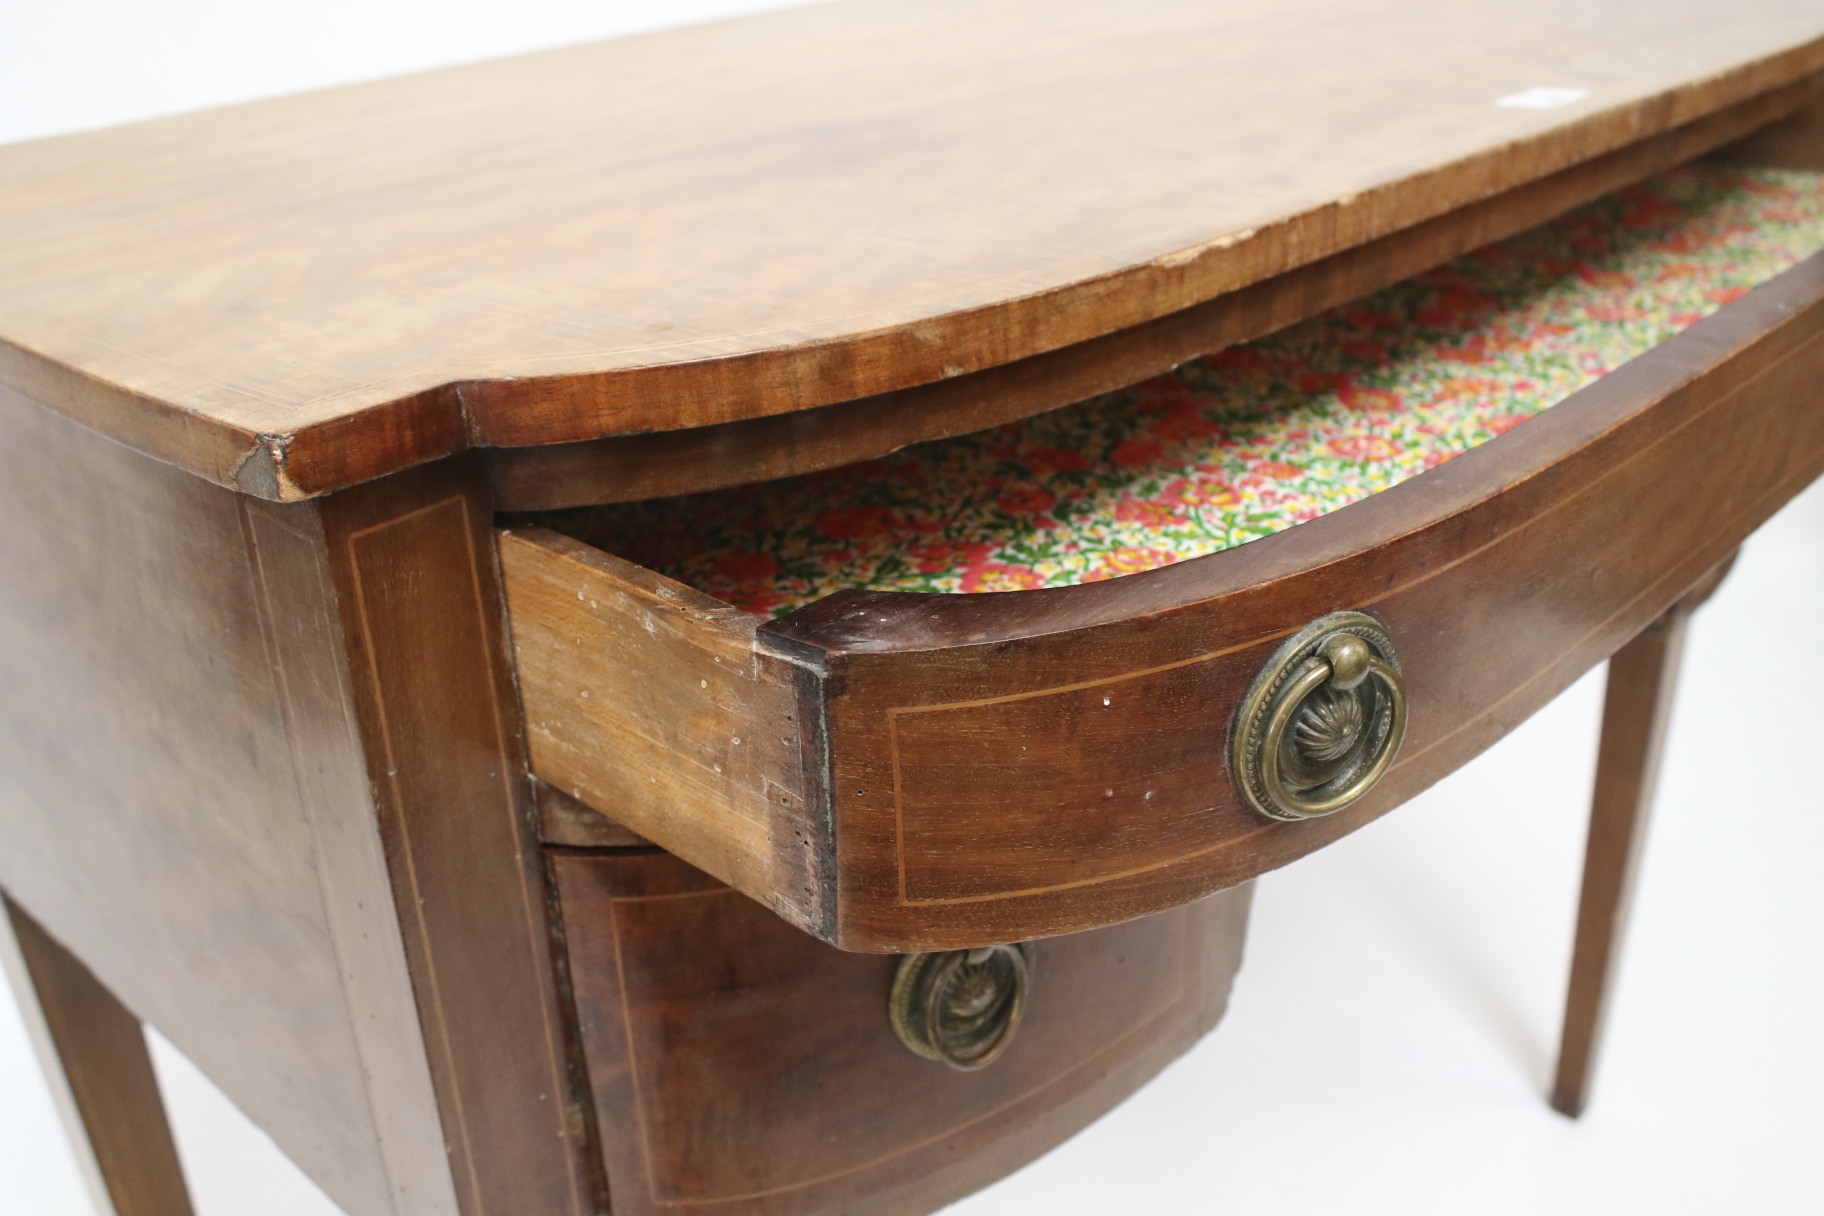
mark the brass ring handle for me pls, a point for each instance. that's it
(961, 1007)
(1323, 720)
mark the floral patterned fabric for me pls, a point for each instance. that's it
(1256, 438)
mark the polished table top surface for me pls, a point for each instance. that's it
(766, 215)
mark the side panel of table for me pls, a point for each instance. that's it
(227, 756)
(157, 820)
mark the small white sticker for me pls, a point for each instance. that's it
(1544, 97)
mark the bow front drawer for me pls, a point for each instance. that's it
(924, 703)
(737, 1065)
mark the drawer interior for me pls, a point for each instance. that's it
(1254, 439)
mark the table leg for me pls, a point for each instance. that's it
(1636, 710)
(94, 1054)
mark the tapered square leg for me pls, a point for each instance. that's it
(95, 1057)
(1635, 714)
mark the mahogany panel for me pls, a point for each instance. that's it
(155, 821)
(745, 219)
(289, 556)
(742, 1066)
(261, 771)
(412, 562)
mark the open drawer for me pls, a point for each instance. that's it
(895, 771)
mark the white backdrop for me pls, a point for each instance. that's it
(1393, 1028)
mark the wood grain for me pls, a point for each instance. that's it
(412, 562)
(566, 821)
(261, 772)
(648, 701)
(808, 207)
(626, 468)
(740, 1066)
(1008, 766)
(300, 622)
(95, 1059)
(158, 822)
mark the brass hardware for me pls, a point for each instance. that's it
(1322, 721)
(961, 1006)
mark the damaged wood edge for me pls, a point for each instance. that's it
(275, 466)
(261, 472)
(205, 447)
(652, 704)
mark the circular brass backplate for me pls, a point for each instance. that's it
(1322, 721)
(961, 1007)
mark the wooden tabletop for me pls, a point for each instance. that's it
(786, 211)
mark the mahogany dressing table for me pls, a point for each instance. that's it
(413, 709)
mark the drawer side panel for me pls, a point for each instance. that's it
(648, 702)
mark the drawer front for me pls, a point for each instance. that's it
(991, 775)
(949, 771)
(741, 1066)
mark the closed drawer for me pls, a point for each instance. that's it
(896, 771)
(738, 1065)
